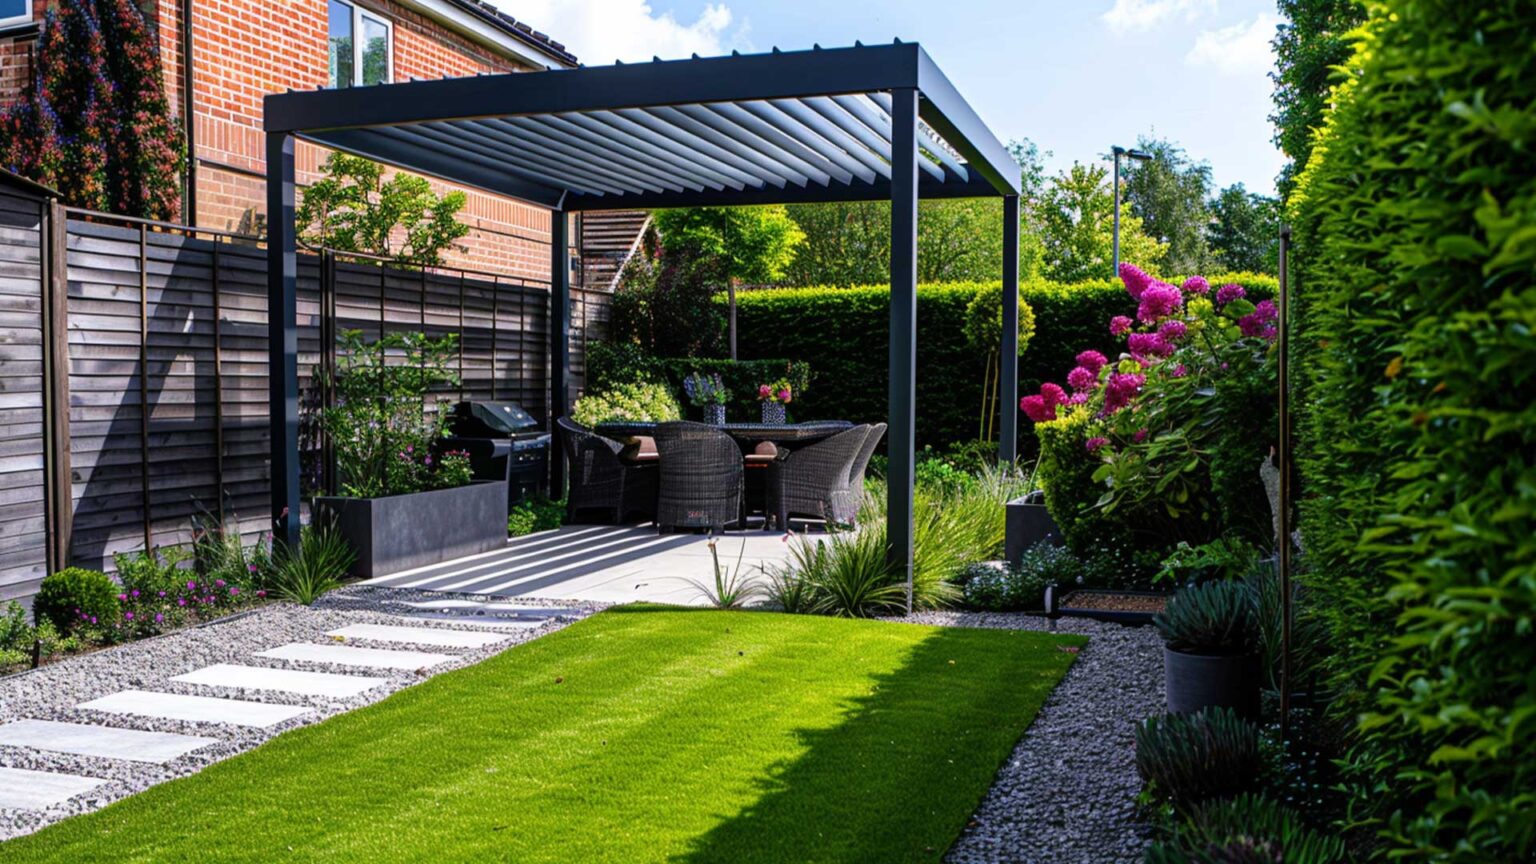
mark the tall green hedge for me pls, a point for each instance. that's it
(842, 333)
(1416, 271)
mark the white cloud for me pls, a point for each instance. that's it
(1128, 16)
(1242, 49)
(601, 31)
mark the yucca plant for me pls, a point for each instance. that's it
(316, 567)
(1189, 758)
(788, 589)
(1214, 618)
(1249, 827)
(849, 574)
(729, 589)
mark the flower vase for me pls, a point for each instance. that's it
(773, 412)
(714, 415)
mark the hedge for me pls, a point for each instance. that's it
(841, 333)
(1416, 305)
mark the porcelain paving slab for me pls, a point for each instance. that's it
(472, 606)
(285, 680)
(21, 789)
(199, 709)
(476, 620)
(347, 655)
(418, 635)
(106, 742)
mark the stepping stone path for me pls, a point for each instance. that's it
(26, 789)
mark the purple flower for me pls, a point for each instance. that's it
(218, 583)
(1095, 443)
(1149, 345)
(1136, 280)
(127, 616)
(162, 593)
(1179, 371)
(1035, 408)
(1082, 378)
(1119, 324)
(234, 592)
(191, 586)
(1196, 285)
(1260, 322)
(159, 617)
(135, 592)
(1159, 301)
(1173, 330)
(1121, 389)
(1053, 394)
(122, 597)
(1140, 436)
(1092, 360)
(181, 601)
(1227, 293)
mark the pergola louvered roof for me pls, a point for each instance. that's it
(766, 128)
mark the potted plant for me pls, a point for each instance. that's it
(1211, 648)
(708, 393)
(774, 395)
(396, 504)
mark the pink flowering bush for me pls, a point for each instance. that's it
(1164, 443)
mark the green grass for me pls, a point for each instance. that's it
(640, 734)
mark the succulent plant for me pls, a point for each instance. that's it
(1189, 758)
(1211, 618)
(1248, 828)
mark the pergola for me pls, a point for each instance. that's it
(861, 123)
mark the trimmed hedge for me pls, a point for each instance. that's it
(1416, 305)
(842, 334)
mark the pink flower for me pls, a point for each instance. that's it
(1095, 443)
(1159, 301)
(1173, 330)
(234, 592)
(159, 617)
(1196, 285)
(1179, 371)
(1035, 408)
(122, 597)
(1140, 436)
(1136, 280)
(1227, 293)
(1053, 394)
(1260, 322)
(1119, 324)
(784, 396)
(191, 586)
(1078, 398)
(1091, 360)
(1149, 345)
(127, 616)
(262, 593)
(1121, 389)
(1082, 378)
(764, 391)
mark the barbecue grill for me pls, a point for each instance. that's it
(504, 442)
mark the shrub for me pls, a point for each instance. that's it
(75, 597)
(1417, 440)
(1021, 586)
(639, 402)
(1248, 828)
(1211, 618)
(318, 566)
(848, 574)
(1188, 758)
(535, 514)
(1223, 558)
(15, 636)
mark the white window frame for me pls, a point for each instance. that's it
(23, 18)
(358, 14)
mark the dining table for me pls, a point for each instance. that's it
(750, 434)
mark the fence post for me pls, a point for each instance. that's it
(58, 492)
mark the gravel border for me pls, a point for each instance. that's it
(52, 691)
(1067, 794)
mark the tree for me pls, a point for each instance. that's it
(353, 209)
(95, 124)
(753, 244)
(1169, 193)
(1309, 47)
(1075, 218)
(1245, 230)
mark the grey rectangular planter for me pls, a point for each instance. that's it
(1028, 523)
(399, 532)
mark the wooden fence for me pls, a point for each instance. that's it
(160, 333)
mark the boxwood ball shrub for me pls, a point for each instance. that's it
(1415, 306)
(1188, 758)
(75, 597)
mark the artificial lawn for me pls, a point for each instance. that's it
(640, 734)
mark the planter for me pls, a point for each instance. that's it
(714, 415)
(1197, 681)
(1104, 604)
(400, 532)
(1028, 523)
(773, 412)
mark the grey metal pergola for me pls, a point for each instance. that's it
(862, 123)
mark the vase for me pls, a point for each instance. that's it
(773, 412)
(714, 415)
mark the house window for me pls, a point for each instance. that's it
(15, 12)
(359, 46)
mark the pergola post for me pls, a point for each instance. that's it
(1008, 358)
(559, 341)
(903, 389)
(283, 338)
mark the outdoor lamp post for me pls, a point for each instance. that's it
(1140, 156)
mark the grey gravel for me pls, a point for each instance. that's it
(1067, 793)
(51, 692)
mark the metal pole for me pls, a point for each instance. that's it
(283, 338)
(1283, 458)
(903, 347)
(559, 341)
(1115, 265)
(1008, 358)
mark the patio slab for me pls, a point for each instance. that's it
(347, 655)
(285, 680)
(439, 637)
(198, 709)
(105, 742)
(21, 789)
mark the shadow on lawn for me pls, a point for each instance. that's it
(898, 778)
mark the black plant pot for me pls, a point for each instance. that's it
(1197, 681)
(400, 532)
(1027, 523)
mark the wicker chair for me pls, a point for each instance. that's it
(701, 477)
(856, 474)
(815, 480)
(600, 480)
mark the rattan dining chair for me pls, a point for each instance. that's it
(814, 481)
(701, 477)
(600, 480)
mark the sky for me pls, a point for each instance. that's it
(1074, 76)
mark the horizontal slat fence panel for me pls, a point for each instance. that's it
(23, 507)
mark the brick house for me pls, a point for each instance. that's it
(239, 50)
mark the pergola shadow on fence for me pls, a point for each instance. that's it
(861, 123)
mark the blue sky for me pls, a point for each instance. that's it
(1076, 76)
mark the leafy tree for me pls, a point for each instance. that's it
(846, 243)
(1309, 46)
(1245, 230)
(354, 209)
(754, 244)
(665, 304)
(1169, 193)
(1075, 216)
(95, 124)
